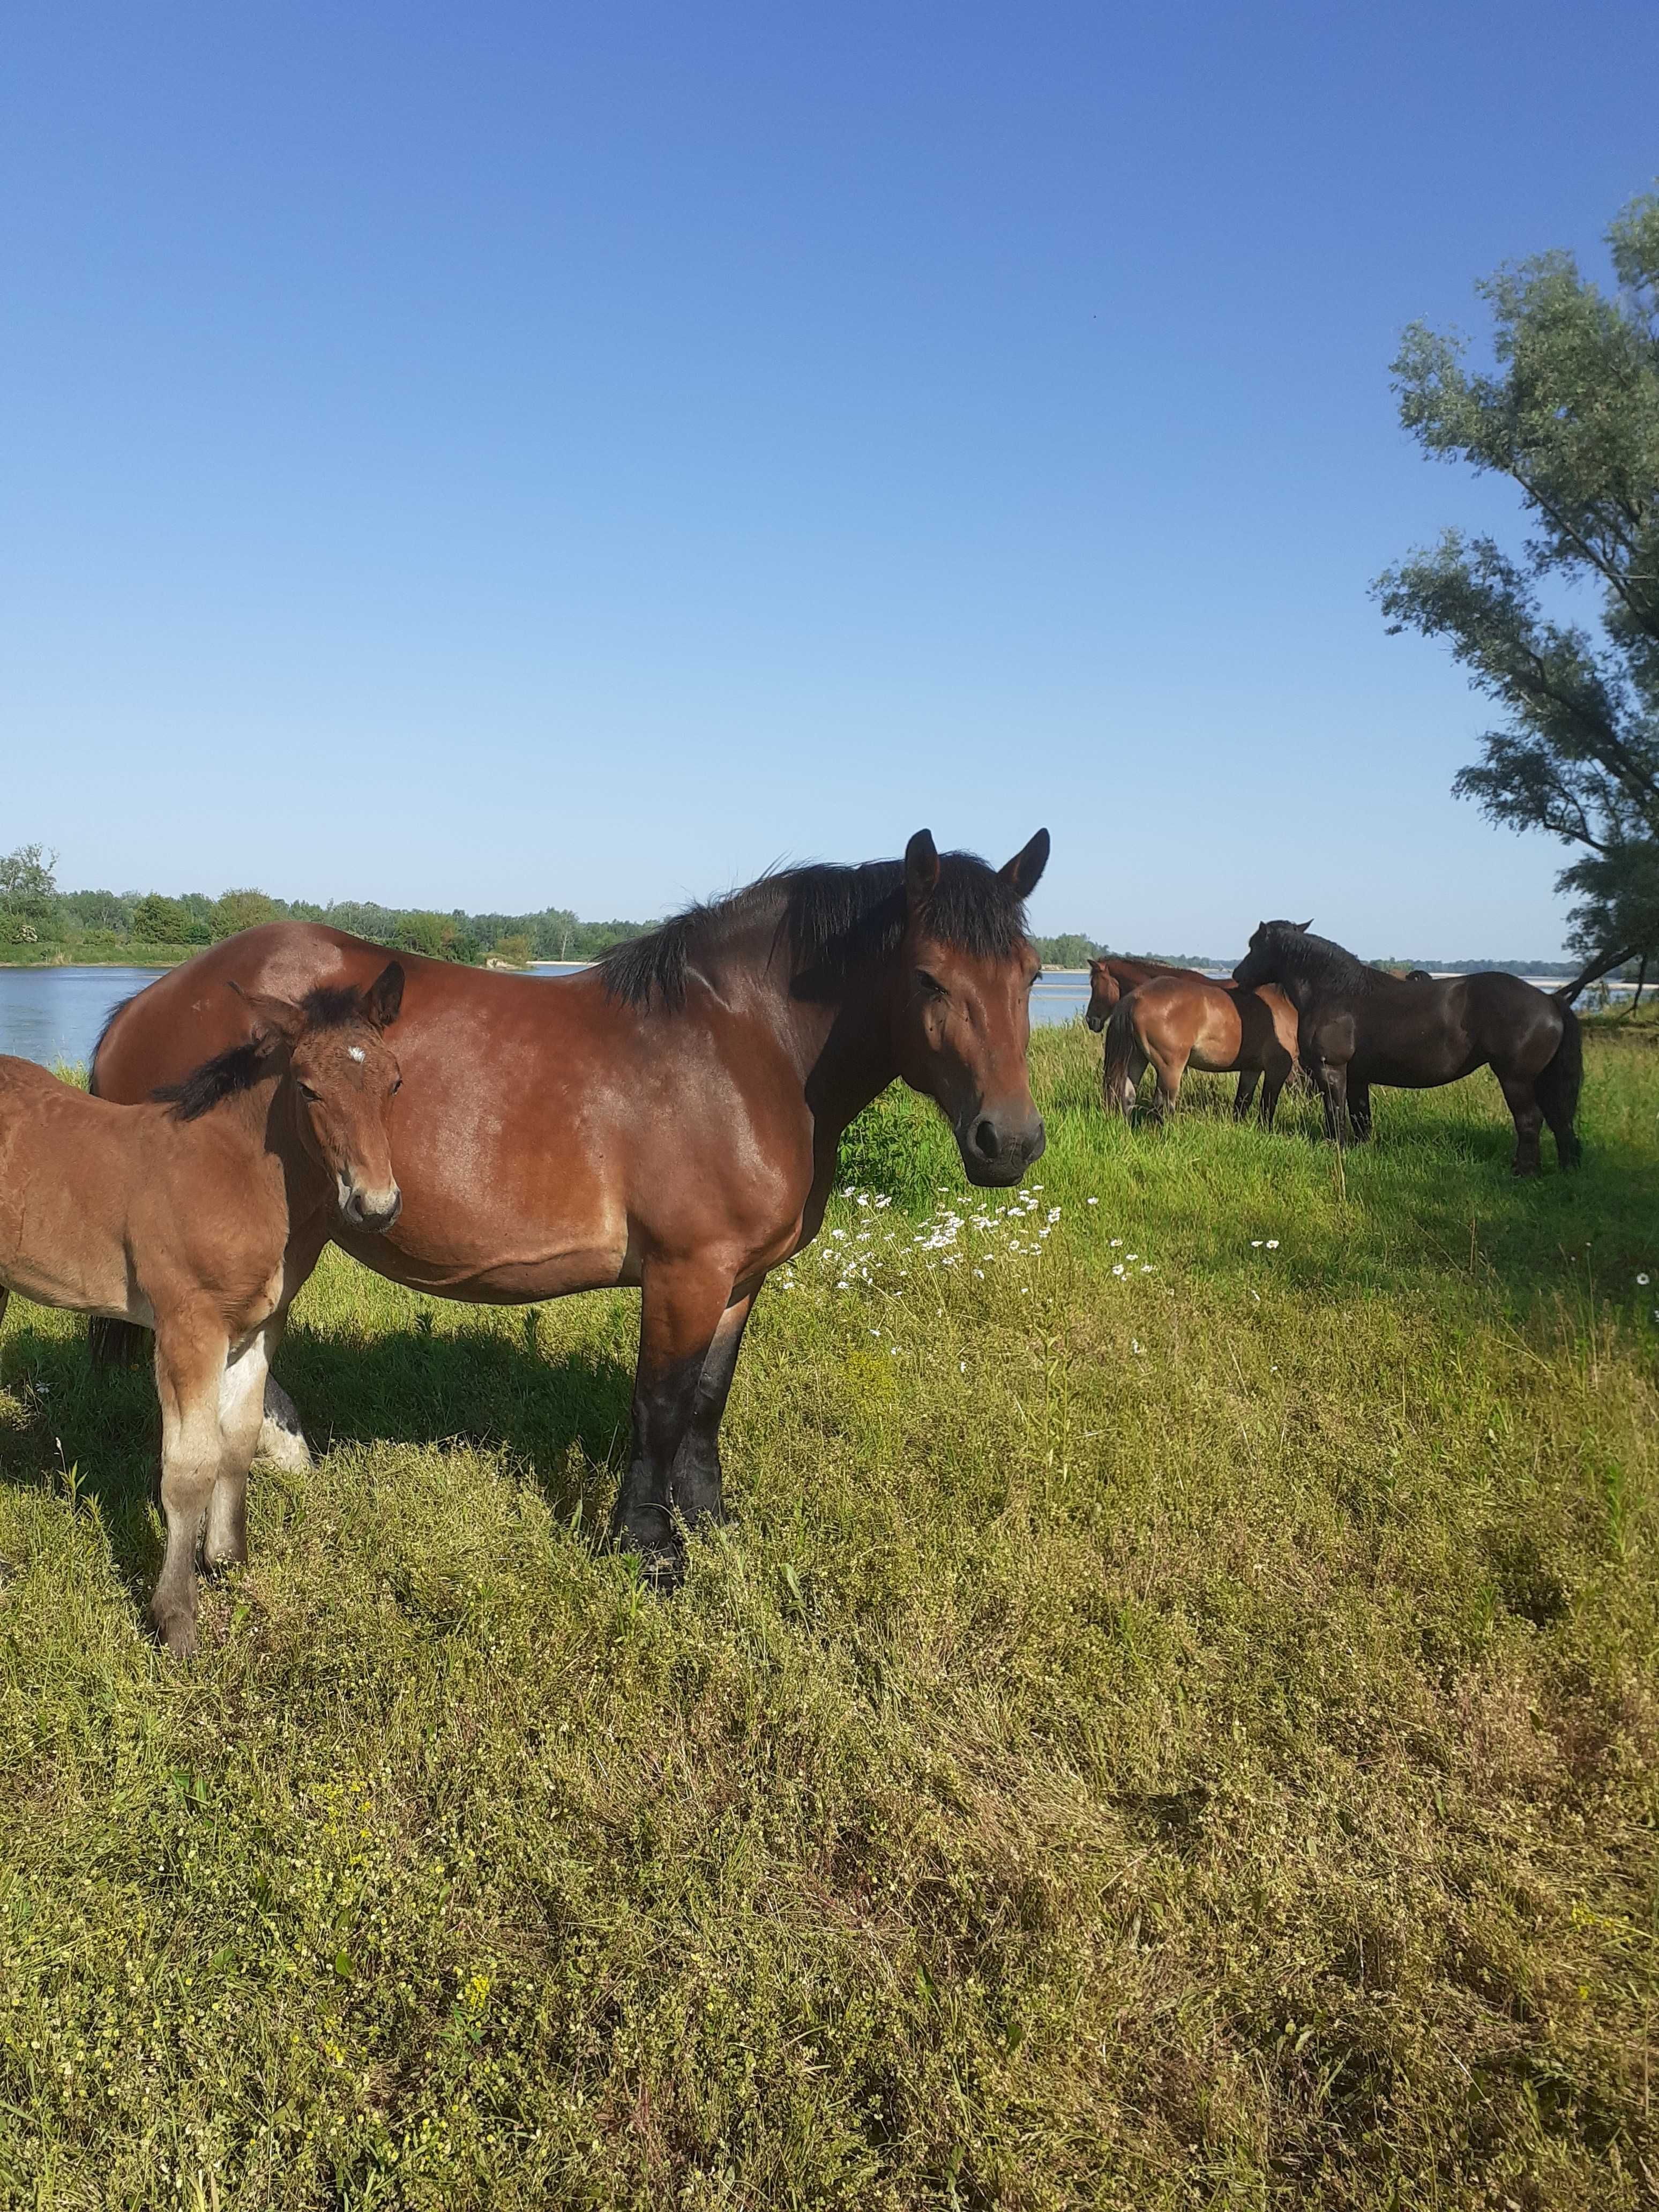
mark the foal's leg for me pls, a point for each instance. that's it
(190, 1365)
(697, 1479)
(681, 1306)
(1245, 1093)
(241, 1411)
(1521, 1099)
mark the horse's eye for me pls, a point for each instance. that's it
(930, 986)
(396, 1084)
(306, 1091)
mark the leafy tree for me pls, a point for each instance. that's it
(238, 910)
(158, 921)
(420, 932)
(514, 946)
(1069, 949)
(28, 895)
(1570, 414)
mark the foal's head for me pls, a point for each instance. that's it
(342, 1075)
(1273, 946)
(1104, 993)
(963, 1017)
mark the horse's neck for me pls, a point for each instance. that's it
(255, 1132)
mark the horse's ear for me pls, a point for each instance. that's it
(383, 996)
(1024, 871)
(1302, 927)
(275, 1021)
(921, 868)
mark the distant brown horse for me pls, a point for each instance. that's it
(1173, 1023)
(1113, 974)
(200, 1215)
(670, 1118)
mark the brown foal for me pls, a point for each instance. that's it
(200, 1214)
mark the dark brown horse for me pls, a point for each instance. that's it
(1358, 1026)
(670, 1118)
(1176, 1022)
(200, 1215)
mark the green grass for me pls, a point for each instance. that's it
(1178, 1738)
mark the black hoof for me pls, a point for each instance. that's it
(649, 1534)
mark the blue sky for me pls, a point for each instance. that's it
(501, 456)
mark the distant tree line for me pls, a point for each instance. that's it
(39, 921)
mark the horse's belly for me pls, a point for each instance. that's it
(98, 1286)
(519, 1275)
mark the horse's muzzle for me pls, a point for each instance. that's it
(375, 1210)
(996, 1153)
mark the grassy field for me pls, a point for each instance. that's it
(1173, 1722)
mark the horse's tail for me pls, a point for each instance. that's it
(1121, 1051)
(113, 1343)
(1558, 1087)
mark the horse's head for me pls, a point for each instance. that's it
(1271, 947)
(1104, 992)
(343, 1076)
(963, 1015)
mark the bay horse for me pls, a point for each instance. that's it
(1114, 974)
(1358, 1026)
(1176, 1022)
(199, 1214)
(668, 1119)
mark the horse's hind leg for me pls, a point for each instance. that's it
(682, 1305)
(696, 1487)
(241, 1411)
(1169, 1072)
(190, 1365)
(1521, 1099)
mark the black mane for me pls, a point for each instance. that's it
(837, 920)
(239, 1066)
(1320, 959)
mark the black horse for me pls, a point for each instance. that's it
(1357, 1026)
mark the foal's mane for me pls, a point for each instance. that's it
(239, 1066)
(836, 921)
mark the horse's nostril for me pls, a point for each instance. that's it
(987, 1143)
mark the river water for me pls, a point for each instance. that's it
(53, 1014)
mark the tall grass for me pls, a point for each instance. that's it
(1182, 1736)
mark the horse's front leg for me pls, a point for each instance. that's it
(681, 1306)
(696, 1483)
(190, 1365)
(1245, 1093)
(1360, 1110)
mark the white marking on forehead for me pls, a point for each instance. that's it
(355, 1052)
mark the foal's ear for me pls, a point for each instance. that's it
(275, 1021)
(921, 868)
(1024, 871)
(1302, 927)
(383, 996)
